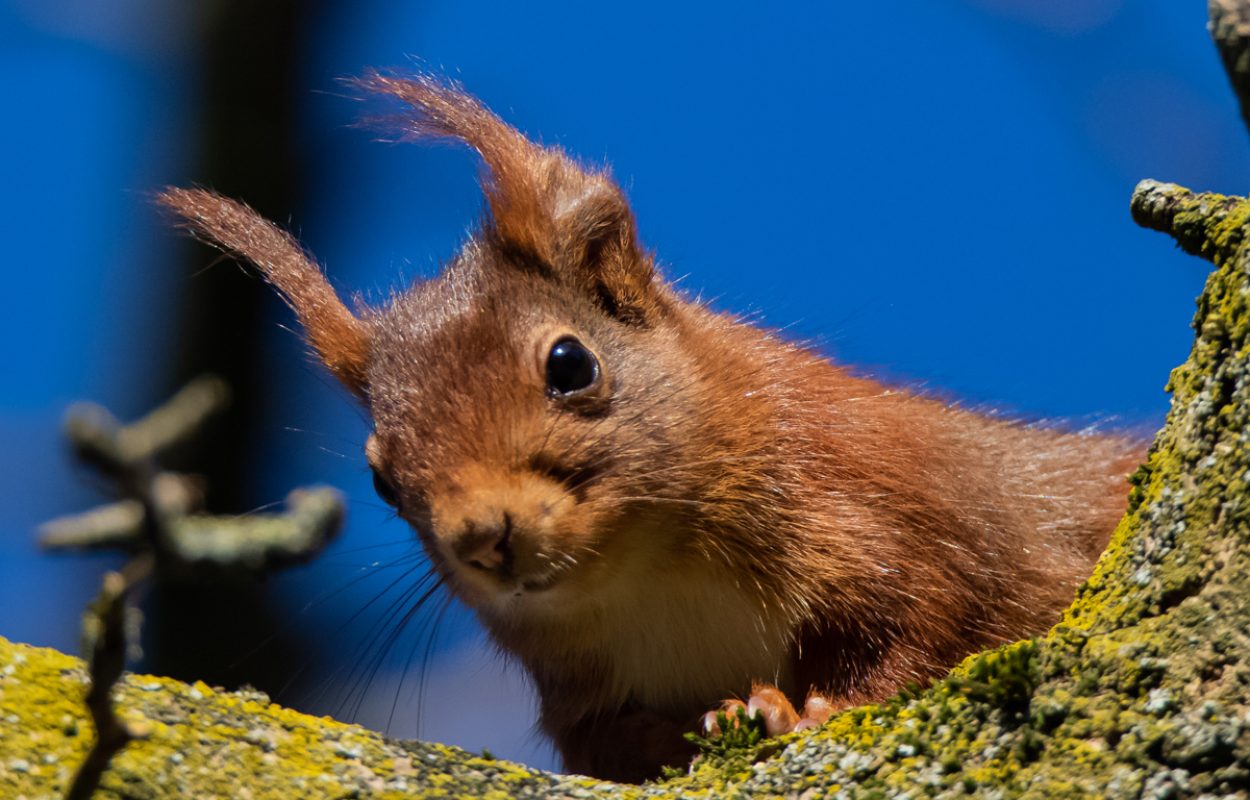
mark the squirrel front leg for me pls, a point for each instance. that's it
(837, 669)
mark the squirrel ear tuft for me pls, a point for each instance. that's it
(543, 205)
(340, 338)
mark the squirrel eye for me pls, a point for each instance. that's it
(385, 490)
(571, 368)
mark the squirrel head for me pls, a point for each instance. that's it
(538, 405)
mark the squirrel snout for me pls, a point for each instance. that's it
(503, 526)
(486, 546)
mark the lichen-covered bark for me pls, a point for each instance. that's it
(202, 743)
(1142, 690)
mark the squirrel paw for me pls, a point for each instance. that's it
(779, 715)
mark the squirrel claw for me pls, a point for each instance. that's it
(816, 711)
(772, 706)
(711, 721)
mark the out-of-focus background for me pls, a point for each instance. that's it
(936, 190)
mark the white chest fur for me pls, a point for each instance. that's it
(691, 642)
(673, 643)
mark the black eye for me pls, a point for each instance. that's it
(571, 368)
(385, 490)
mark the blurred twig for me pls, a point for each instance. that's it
(161, 511)
(104, 642)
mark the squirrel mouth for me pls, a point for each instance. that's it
(517, 585)
(540, 583)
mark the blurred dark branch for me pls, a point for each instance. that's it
(1230, 28)
(249, 84)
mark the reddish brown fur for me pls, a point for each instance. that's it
(340, 339)
(725, 508)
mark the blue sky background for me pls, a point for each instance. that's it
(938, 194)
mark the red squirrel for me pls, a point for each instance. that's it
(655, 506)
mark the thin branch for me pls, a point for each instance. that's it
(1207, 225)
(104, 637)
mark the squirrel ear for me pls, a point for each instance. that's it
(543, 206)
(339, 337)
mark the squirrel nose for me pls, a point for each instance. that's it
(486, 546)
